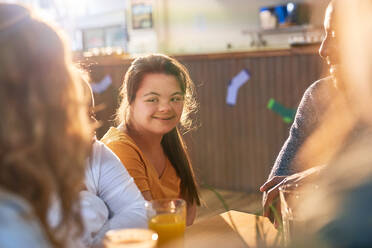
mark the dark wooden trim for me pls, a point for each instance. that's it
(127, 59)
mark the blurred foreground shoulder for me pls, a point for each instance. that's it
(18, 226)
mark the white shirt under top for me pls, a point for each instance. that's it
(107, 178)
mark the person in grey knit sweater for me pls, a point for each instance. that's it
(314, 103)
(333, 210)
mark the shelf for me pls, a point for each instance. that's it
(290, 29)
(285, 30)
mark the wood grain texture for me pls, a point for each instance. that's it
(232, 229)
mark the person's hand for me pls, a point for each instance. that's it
(271, 190)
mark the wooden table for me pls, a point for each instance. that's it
(231, 229)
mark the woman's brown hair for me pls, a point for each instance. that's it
(45, 132)
(172, 142)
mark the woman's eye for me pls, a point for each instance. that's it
(177, 99)
(151, 100)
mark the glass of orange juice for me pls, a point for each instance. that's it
(167, 217)
(130, 238)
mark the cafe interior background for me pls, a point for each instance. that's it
(250, 59)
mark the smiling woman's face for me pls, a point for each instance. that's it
(158, 104)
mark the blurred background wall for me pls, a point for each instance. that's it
(234, 146)
(219, 25)
(174, 26)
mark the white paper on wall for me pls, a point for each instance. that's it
(236, 82)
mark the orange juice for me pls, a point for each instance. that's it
(168, 226)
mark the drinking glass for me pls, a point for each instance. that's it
(293, 217)
(167, 217)
(130, 238)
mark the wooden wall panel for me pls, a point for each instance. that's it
(234, 146)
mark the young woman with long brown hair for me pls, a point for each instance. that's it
(156, 100)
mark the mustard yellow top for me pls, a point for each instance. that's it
(143, 172)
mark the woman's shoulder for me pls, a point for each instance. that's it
(18, 226)
(12, 203)
(116, 136)
(122, 145)
(318, 96)
(324, 87)
(113, 134)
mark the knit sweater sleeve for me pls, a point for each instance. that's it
(304, 123)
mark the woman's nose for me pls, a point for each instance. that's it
(324, 49)
(164, 106)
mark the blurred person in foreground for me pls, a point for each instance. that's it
(339, 213)
(290, 167)
(45, 132)
(111, 199)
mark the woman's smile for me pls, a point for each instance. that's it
(164, 118)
